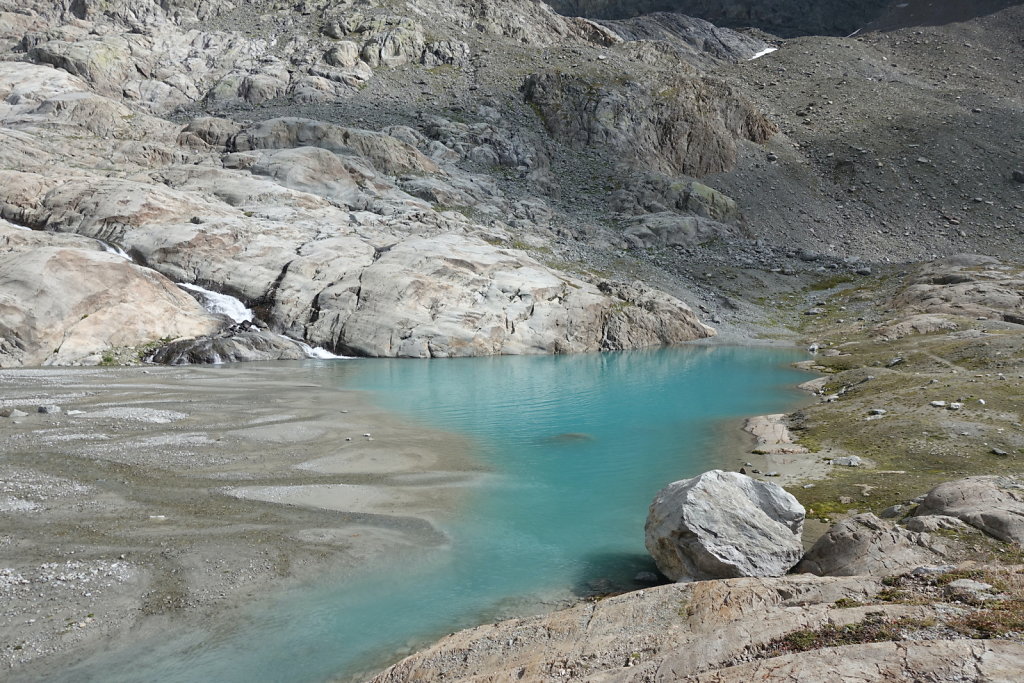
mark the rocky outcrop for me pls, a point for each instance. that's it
(724, 524)
(63, 300)
(663, 633)
(230, 346)
(994, 505)
(668, 229)
(867, 545)
(695, 41)
(772, 435)
(686, 126)
(782, 17)
(308, 223)
(915, 324)
(936, 660)
(967, 285)
(710, 632)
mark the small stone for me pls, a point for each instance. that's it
(848, 461)
(976, 588)
(49, 410)
(894, 362)
(893, 511)
(878, 411)
(863, 271)
(772, 156)
(932, 569)
(12, 412)
(1018, 176)
(808, 486)
(938, 404)
(954, 406)
(999, 451)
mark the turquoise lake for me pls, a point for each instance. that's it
(559, 516)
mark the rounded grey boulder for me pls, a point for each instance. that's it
(724, 525)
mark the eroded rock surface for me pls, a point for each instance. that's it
(991, 504)
(867, 545)
(666, 632)
(64, 300)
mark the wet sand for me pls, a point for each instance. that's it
(162, 496)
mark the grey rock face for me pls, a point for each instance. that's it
(867, 545)
(668, 229)
(228, 347)
(670, 129)
(782, 17)
(968, 285)
(995, 505)
(935, 523)
(63, 301)
(724, 525)
(698, 40)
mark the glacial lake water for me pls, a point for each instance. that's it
(577, 447)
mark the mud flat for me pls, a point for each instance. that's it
(151, 497)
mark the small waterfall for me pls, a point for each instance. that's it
(314, 351)
(114, 249)
(222, 304)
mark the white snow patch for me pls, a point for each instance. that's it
(762, 53)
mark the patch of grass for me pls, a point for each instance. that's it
(847, 603)
(873, 629)
(992, 623)
(831, 282)
(901, 597)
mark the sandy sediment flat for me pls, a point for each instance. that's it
(160, 496)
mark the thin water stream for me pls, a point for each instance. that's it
(577, 447)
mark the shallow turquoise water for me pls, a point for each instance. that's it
(559, 516)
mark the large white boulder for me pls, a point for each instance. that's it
(724, 525)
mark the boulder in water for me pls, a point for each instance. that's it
(724, 525)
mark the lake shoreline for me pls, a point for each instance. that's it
(169, 564)
(131, 511)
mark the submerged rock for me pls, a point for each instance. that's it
(724, 525)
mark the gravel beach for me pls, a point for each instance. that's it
(152, 497)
